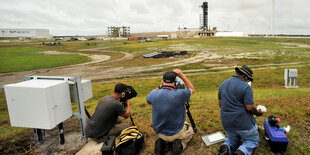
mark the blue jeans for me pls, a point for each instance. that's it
(250, 142)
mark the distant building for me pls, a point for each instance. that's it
(163, 36)
(231, 34)
(25, 33)
(174, 36)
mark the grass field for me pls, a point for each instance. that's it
(231, 51)
(267, 57)
(288, 104)
(15, 59)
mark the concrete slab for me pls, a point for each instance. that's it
(92, 147)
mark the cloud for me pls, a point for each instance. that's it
(80, 17)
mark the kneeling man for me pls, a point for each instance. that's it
(168, 112)
(106, 121)
(237, 109)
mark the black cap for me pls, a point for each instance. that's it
(245, 70)
(169, 77)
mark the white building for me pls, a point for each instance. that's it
(231, 34)
(25, 33)
(174, 36)
(163, 36)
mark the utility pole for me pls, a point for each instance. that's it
(272, 17)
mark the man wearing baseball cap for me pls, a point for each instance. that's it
(237, 109)
(168, 113)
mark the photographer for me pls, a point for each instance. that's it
(237, 109)
(106, 120)
(168, 112)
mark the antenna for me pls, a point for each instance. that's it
(272, 17)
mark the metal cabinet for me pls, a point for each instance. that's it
(39, 104)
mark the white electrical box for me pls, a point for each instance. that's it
(290, 78)
(292, 73)
(39, 104)
(87, 91)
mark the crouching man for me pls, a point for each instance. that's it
(106, 121)
(168, 113)
(237, 109)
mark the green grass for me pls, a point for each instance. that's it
(266, 50)
(259, 50)
(288, 104)
(20, 59)
(291, 105)
(12, 137)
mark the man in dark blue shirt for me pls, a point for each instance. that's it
(237, 109)
(168, 112)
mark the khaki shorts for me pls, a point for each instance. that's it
(185, 135)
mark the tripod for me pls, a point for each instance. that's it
(190, 116)
(131, 119)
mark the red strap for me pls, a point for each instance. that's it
(167, 87)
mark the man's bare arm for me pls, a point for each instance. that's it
(252, 109)
(186, 80)
(128, 110)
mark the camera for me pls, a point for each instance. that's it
(179, 84)
(130, 93)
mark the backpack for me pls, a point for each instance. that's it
(131, 141)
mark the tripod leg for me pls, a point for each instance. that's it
(191, 120)
(132, 120)
(190, 116)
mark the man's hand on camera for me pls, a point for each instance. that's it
(185, 80)
(178, 71)
(128, 103)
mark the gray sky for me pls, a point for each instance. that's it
(88, 17)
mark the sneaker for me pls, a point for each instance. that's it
(176, 147)
(224, 150)
(159, 147)
(238, 152)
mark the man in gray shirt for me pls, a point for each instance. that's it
(105, 119)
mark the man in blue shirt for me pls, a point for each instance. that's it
(168, 112)
(237, 109)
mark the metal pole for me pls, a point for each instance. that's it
(61, 133)
(39, 134)
(80, 100)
